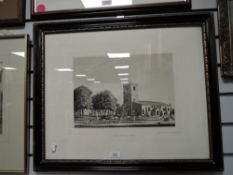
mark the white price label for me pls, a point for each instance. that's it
(115, 154)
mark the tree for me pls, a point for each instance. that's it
(104, 101)
(82, 99)
(119, 110)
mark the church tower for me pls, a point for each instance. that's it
(130, 93)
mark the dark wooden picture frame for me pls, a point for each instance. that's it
(26, 109)
(114, 11)
(201, 20)
(226, 36)
(12, 13)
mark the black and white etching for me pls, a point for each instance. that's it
(123, 92)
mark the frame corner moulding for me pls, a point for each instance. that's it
(12, 13)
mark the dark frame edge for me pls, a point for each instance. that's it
(216, 128)
(112, 11)
(28, 103)
(225, 39)
(37, 132)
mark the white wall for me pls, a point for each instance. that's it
(226, 105)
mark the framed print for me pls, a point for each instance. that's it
(42, 9)
(13, 103)
(225, 15)
(140, 93)
(12, 13)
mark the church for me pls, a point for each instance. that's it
(135, 107)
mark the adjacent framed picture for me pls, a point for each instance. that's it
(44, 9)
(12, 13)
(225, 16)
(13, 103)
(135, 94)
